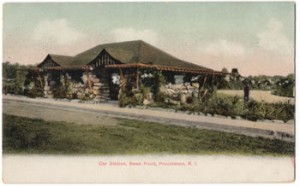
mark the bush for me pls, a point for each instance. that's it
(59, 92)
(33, 93)
(189, 100)
(124, 100)
(8, 88)
(220, 105)
(255, 111)
(284, 91)
(33, 86)
(285, 86)
(284, 111)
(235, 106)
(158, 81)
(161, 97)
(271, 111)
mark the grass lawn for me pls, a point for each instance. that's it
(24, 135)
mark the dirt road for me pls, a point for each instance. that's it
(50, 109)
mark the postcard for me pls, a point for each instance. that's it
(148, 92)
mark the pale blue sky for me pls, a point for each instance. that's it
(215, 35)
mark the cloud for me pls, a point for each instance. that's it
(272, 38)
(56, 32)
(224, 48)
(127, 34)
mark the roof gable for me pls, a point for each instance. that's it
(47, 62)
(126, 52)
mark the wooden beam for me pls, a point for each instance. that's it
(74, 67)
(123, 81)
(89, 80)
(65, 78)
(40, 79)
(166, 68)
(213, 78)
(137, 78)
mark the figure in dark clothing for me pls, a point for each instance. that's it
(246, 92)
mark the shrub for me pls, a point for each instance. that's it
(34, 92)
(271, 111)
(59, 92)
(125, 100)
(8, 88)
(161, 97)
(284, 111)
(284, 86)
(158, 81)
(189, 100)
(33, 86)
(139, 98)
(235, 106)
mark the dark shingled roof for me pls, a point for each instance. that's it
(61, 60)
(126, 52)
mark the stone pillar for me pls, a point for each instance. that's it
(96, 88)
(47, 89)
(46, 86)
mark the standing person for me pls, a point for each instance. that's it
(246, 92)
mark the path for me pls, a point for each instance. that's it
(40, 107)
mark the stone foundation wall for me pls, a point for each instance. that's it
(180, 92)
(91, 87)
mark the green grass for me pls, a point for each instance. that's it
(24, 135)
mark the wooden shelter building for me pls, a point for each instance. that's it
(94, 70)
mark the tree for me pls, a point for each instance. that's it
(9, 70)
(235, 73)
(224, 70)
(284, 86)
(14, 76)
(19, 81)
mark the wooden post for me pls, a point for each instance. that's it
(205, 78)
(65, 78)
(200, 88)
(205, 91)
(123, 82)
(137, 78)
(40, 79)
(213, 79)
(121, 73)
(89, 80)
